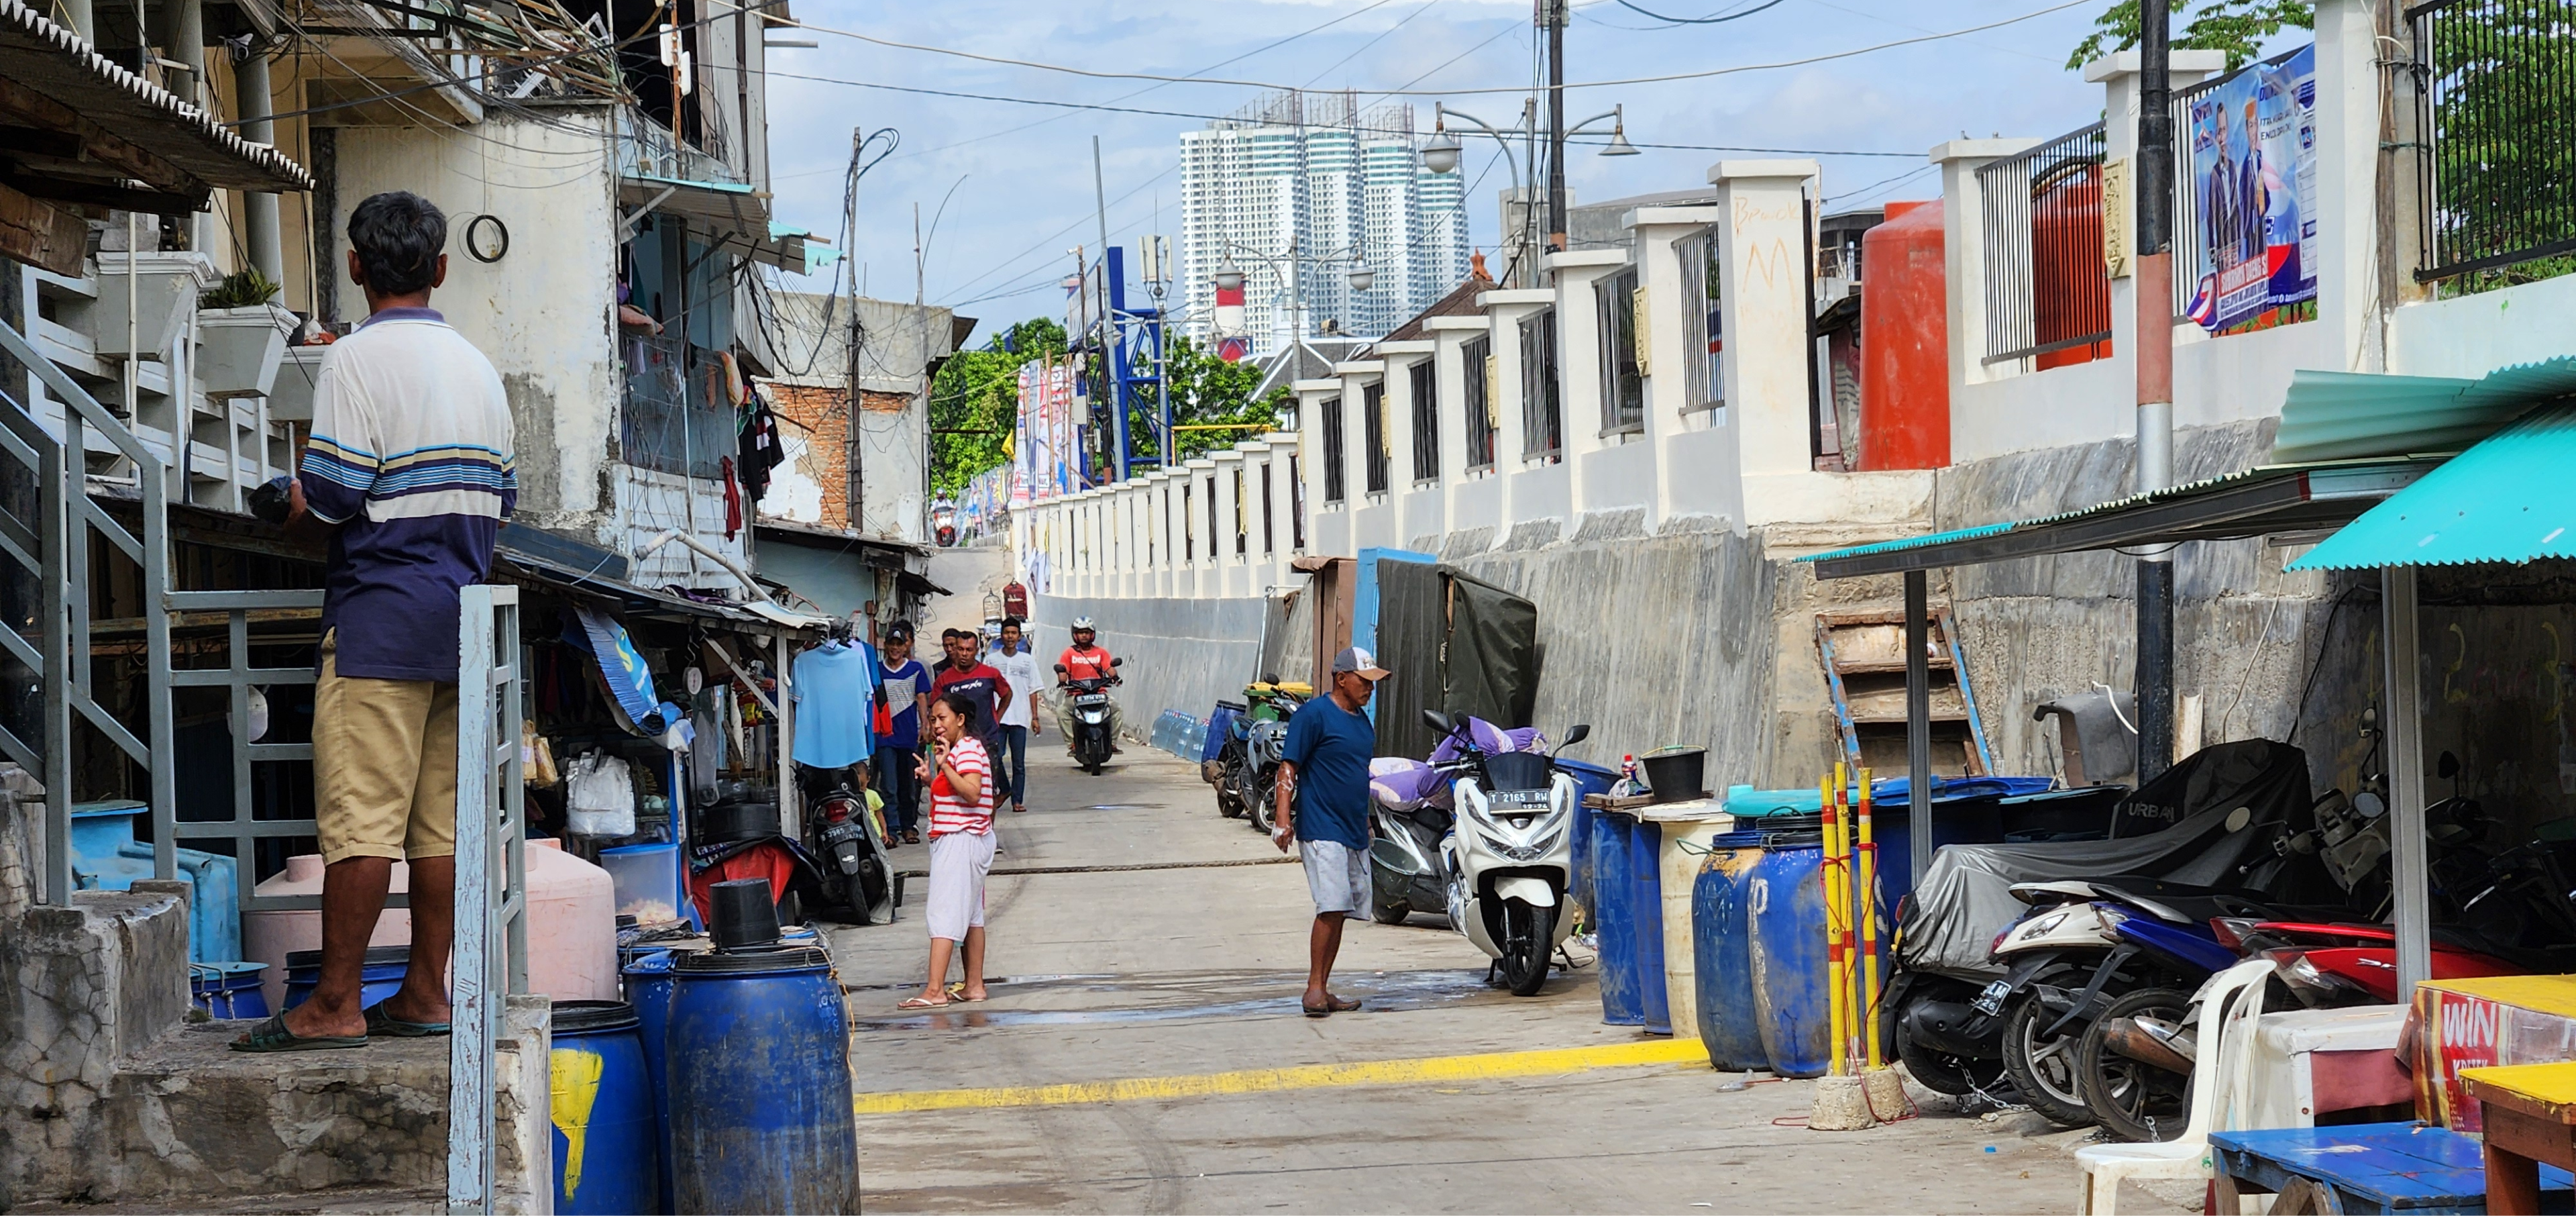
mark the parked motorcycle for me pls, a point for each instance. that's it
(1412, 803)
(1246, 769)
(1510, 857)
(1092, 744)
(850, 839)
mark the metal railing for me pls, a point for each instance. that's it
(61, 555)
(2496, 105)
(1336, 464)
(1623, 382)
(1542, 412)
(245, 830)
(2046, 287)
(1373, 422)
(491, 917)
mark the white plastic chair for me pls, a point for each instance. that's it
(2219, 1082)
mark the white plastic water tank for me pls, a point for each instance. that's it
(572, 924)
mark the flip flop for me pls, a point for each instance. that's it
(380, 1022)
(921, 1002)
(1313, 1012)
(1342, 1004)
(272, 1035)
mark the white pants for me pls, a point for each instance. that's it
(958, 863)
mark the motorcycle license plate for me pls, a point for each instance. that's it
(839, 832)
(1092, 698)
(1520, 798)
(1991, 1001)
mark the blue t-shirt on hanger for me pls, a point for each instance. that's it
(835, 687)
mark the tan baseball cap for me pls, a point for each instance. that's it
(1358, 661)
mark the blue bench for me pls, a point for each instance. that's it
(2372, 1167)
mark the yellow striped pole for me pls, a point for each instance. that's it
(1867, 914)
(1835, 1014)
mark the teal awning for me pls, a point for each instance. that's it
(2338, 415)
(2504, 500)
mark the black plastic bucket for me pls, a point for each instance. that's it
(1675, 773)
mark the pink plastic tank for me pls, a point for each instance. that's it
(572, 924)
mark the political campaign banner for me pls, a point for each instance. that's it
(2252, 184)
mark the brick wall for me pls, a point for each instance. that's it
(814, 427)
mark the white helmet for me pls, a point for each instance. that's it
(1081, 623)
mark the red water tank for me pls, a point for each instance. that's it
(1904, 342)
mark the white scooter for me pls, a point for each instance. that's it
(1510, 857)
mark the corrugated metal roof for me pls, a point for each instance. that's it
(2253, 502)
(2504, 500)
(56, 62)
(2335, 415)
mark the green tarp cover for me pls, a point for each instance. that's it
(2504, 500)
(1456, 644)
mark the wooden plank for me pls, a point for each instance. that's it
(41, 234)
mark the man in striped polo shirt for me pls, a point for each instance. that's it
(409, 470)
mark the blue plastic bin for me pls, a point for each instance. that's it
(1589, 779)
(1646, 920)
(1622, 998)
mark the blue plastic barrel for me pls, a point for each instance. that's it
(228, 992)
(1730, 1022)
(1589, 779)
(648, 989)
(607, 1153)
(759, 1068)
(380, 976)
(1622, 1002)
(1788, 959)
(1646, 914)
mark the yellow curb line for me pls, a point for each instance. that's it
(1486, 1067)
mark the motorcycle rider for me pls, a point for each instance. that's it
(1085, 659)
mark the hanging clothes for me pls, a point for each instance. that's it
(759, 448)
(835, 690)
(733, 498)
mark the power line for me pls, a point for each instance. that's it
(1115, 109)
(1578, 84)
(1709, 20)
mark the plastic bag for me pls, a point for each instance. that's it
(536, 757)
(599, 797)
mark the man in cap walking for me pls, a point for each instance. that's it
(1323, 806)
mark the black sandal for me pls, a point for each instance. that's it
(272, 1035)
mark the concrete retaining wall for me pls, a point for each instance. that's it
(1179, 654)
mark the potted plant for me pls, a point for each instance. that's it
(240, 335)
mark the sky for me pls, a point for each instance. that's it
(1010, 186)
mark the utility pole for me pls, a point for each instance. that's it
(1112, 378)
(2155, 179)
(1553, 13)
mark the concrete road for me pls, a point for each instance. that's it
(1161, 1006)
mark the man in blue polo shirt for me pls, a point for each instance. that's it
(1323, 806)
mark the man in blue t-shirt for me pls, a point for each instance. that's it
(907, 695)
(1323, 806)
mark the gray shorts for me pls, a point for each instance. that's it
(1337, 875)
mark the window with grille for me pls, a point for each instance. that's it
(1268, 546)
(1213, 532)
(1703, 378)
(1335, 459)
(1542, 422)
(1373, 417)
(1189, 529)
(1476, 359)
(1297, 504)
(1425, 383)
(1623, 381)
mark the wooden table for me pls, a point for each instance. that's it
(2529, 1114)
(2372, 1167)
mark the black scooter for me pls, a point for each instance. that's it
(1092, 744)
(850, 839)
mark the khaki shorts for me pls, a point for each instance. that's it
(384, 765)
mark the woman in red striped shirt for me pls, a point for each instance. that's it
(959, 773)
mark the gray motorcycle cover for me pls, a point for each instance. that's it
(2226, 805)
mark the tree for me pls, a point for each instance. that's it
(975, 401)
(1207, 390)
(2237, 27)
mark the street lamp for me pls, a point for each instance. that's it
(1363, 278)
(1227, 278)
(1441, 154)
(1619, 145)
